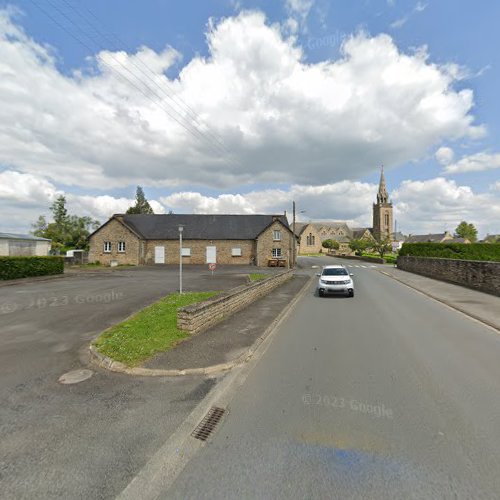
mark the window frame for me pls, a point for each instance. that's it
(120, 245)
(277, 253)
(276, 234)
(236, 252)
(186, 251)
(107, 244)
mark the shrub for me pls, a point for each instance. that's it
(23, 267)
(463, 251)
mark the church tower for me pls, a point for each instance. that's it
(382, 212)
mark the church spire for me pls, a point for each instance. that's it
(382, 196)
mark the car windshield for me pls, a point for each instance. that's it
(337, 271)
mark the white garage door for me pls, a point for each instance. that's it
(211, 255)
(159, 255)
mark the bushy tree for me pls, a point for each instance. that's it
(382, 246)
(142, 205)
(331, 244)
(358, 246)
(466, 231)
(66, 231)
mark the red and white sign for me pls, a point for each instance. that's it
(212, 267)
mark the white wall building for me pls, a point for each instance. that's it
(20, 245)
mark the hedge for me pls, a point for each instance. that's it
(462, 251)
(23, 267)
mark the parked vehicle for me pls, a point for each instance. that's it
(335, 279)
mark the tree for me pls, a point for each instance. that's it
(358, 246)
(466, 231)
(382, 246)
(67, 231)
(331, 244)
(142, 205)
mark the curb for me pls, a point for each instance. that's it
(116, 366)
(445, 302)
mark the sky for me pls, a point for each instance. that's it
(240, 106)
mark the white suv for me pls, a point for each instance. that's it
(335, 279)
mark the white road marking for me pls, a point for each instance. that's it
(364, 267)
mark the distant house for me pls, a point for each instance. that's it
(223, 239)
(445, 237)
(429, 238)
(18, 245)
(492, 238)
(397, 240)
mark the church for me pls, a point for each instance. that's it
(312, 234)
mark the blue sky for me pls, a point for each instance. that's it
(460, 39)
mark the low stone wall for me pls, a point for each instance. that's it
(480, 275)
(376, 260)
(201, 316)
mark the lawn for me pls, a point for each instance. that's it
(258, 276)
(152, 330)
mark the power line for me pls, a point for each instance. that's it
(175, 98)
(193, 131)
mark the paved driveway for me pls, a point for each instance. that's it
(84, 440)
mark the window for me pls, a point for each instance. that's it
(186, 252)
(276, 235)
(310, 239)
(236, 252)
(276, 252)
(121, 246)
(386, 217)
(107, 246)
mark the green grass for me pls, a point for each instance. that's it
(152, 330)
(389, 258)
(312, 254)
(258, 276)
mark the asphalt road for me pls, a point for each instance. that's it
(385, 395)
(85, 440)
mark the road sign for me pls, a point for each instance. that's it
(212, 267)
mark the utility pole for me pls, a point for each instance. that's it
(293, 240)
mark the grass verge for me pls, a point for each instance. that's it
(152, 330)
(258, 276)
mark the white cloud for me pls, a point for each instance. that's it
(399, 23)
(420, 206)
(299, 10)
(444, 155)
(23, 197)
(282, 119)
(438, 204)
(478, 162)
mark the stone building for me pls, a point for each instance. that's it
(223, 239)
(311, 236)
(383, 222)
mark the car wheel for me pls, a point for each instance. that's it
(321, 293)
(351, 294)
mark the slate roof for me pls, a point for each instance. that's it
(14, 236)
(426, 238)
(200, 226)
(358, 232)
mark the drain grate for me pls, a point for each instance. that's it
(208, 424)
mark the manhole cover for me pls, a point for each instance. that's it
(75, 376)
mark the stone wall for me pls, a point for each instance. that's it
(198, 249)
(266, 243)
(201, 316)
(114, 232)
(480, 275)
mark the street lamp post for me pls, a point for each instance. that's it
(181, 228)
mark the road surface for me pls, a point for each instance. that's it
(389, 394)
